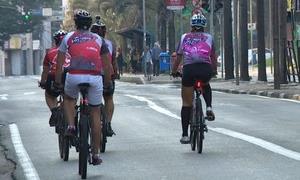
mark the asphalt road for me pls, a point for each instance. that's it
(252, 137)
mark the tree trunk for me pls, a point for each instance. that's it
(228, 45)
(262, 75)
(171, 30)
(283, 41)
(163, 32)
(243, 40)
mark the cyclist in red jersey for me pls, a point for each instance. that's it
(48, 75)
(100, 28)
(196, 48)
(89, 57)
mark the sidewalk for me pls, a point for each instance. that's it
(253, 87)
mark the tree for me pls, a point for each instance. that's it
(228, 46)
(171, 32)
(262, 75)
(243, 40)
(14, 22)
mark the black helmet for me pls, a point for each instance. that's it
(58, 36)
(99, 27)
(83, 19)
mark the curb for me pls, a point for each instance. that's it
(260, 93)
(271, 94)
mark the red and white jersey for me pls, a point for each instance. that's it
(85, 49)
(51, 60)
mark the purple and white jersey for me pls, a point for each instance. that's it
(196, 47)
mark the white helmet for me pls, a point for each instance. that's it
(198, 20)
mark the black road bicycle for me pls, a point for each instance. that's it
(104, 129)
(197, 121)
(60, 128)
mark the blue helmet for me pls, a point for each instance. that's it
(198, 20)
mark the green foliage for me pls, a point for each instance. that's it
(15, 21)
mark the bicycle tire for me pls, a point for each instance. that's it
(63, 141)
(200, 132)
(84, 146)
(193, 138)
(103, 130)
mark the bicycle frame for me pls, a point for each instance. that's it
(197, 121)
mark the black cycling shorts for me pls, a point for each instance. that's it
(111, 91)
(49, 82)
(197, 71)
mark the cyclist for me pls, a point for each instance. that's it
(199, 62)
(89, 56)
(48, 76)
(100, 28)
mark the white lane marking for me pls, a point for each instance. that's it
(152, 105)
(260, 142)
(3, 96)
(282, 99)
(219, 92)
(253, 140)
(28, 168)
(29, 93)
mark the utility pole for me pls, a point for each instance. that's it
(235, 40)
(275, 22)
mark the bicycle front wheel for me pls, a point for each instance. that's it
(84, 146)
(193, 138)
(103, 130)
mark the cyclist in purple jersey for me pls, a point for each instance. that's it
(196, 48)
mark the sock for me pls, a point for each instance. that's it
(207, 95)
(185, 119)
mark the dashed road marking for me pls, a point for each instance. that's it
(28, 168)
(3, 96)
(29, 93)
(253, 140)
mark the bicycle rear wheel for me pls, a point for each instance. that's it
(193, 138)
(103, 130)
(84, 146)
(63, 141)
(200, 132)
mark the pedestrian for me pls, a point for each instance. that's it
(156, 50)
(147, 60)
(120, 60)
(134, 60)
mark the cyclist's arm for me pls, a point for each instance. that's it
(179, 53)
(213, 58)
(104, 53)
(61, 56)
(176, 63)
(59, 66)
(46, 69)
(114, 62)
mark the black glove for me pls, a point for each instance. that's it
(108, 87)
(57, 87)
(176, 74)
(42, 84)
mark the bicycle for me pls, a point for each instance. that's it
(197, 121)
(60, 128)
(103, 137)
